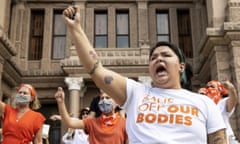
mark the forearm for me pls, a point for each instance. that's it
(218, 137)
(232, 100)
(112, 83)
(87, 54)
(38, 142)
(38, 136)
(2, 106)
(64, 114)
(103, 78)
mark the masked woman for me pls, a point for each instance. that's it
(109, 127)
(22, 125)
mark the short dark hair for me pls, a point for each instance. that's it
(176, 50)
(186, 75)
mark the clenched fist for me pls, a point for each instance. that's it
(60, 95)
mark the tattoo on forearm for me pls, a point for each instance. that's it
(218, 137)
(108, 79)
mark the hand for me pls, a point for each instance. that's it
(72, 16)
(70, 12)
(228, 85)
(55, 117)
(60, 95)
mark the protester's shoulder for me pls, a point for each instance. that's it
(223, 101)
(197, 97)
(8, 107)
(37, 114)
(89, 120)
(134, 83)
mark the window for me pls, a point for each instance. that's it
(36, 35)
(59, 36)
(184, 32)
(100, 35)
(163, 26)
(122, 29)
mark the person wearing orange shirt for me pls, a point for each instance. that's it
(21, 124)
(109, 127)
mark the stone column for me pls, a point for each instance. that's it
(47, 38)
(143, 23)
(1, 71)
(216, 12)
(2, 13)
(111, 27)
(145, 80)
(74, 86)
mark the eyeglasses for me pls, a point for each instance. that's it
(85, 113)
(105, 97)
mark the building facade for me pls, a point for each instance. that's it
(36, 48)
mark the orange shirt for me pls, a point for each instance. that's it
(23, 130)
(115, 134)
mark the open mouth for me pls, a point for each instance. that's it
(160, 69)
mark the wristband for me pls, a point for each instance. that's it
(94, 68)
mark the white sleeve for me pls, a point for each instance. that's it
(222, 105)
(215, 120)
(131, 86)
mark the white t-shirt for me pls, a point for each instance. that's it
(80, 137)
(222, 105)
(169, 116)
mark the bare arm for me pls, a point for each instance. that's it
(126, 141)
(92, 114)
(38, 137)
(66, 119)
(55, 117)
(112, 83)
(2, 106)
(47, 141)
(232, 95)
(218, 137)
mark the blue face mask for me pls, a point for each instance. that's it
(105, 105)
(23, 99)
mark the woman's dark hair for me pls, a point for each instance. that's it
(176, 50)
